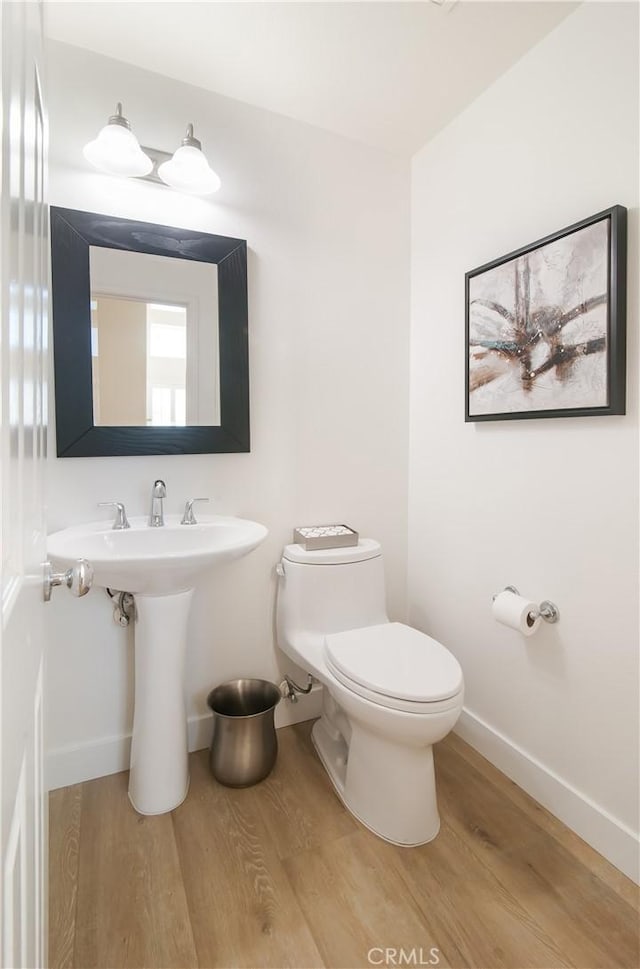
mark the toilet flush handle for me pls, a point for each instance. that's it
(280, 570)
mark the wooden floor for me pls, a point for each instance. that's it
(281, 875)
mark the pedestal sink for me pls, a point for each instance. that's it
(161, 567)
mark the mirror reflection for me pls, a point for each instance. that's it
(154, 340)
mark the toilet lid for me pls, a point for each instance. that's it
(396, 661)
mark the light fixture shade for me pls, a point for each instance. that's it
(189, 171)
(116, 150)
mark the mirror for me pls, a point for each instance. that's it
(150, 338)
(154, 340)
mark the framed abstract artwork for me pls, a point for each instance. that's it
(546, 326)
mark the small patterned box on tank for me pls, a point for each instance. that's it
(325, 536)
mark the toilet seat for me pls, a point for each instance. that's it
(395, 666)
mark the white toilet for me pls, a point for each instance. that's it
(390, 691)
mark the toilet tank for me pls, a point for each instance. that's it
(329, 590)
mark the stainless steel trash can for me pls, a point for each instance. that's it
(244, 745)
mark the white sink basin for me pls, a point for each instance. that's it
(155, 561)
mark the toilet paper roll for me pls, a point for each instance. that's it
(516, 612)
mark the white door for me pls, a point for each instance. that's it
(23, 286)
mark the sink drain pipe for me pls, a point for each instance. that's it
(124, 607)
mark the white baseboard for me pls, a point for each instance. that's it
(609, 836)
(98, 758)
(83, 762)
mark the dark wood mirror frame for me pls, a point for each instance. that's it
(72, 233)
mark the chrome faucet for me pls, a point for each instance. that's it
(121, 520)
(159, 491)
(189, 518)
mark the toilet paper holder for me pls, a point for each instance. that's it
(547, 610)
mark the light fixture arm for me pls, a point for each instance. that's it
(190, 141)
(118, 117)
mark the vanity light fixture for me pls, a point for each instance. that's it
(116, 150)
(188, 170)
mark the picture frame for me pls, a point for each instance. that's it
(545, 326)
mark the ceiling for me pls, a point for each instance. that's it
(389, 74)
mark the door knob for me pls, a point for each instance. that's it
(78, 579)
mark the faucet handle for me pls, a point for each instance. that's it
(121, 516)
(189, 518)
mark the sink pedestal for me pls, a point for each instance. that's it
(159, 775)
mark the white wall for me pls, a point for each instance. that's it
(550, 506)
(327, 224)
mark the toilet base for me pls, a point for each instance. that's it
(389, 788)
